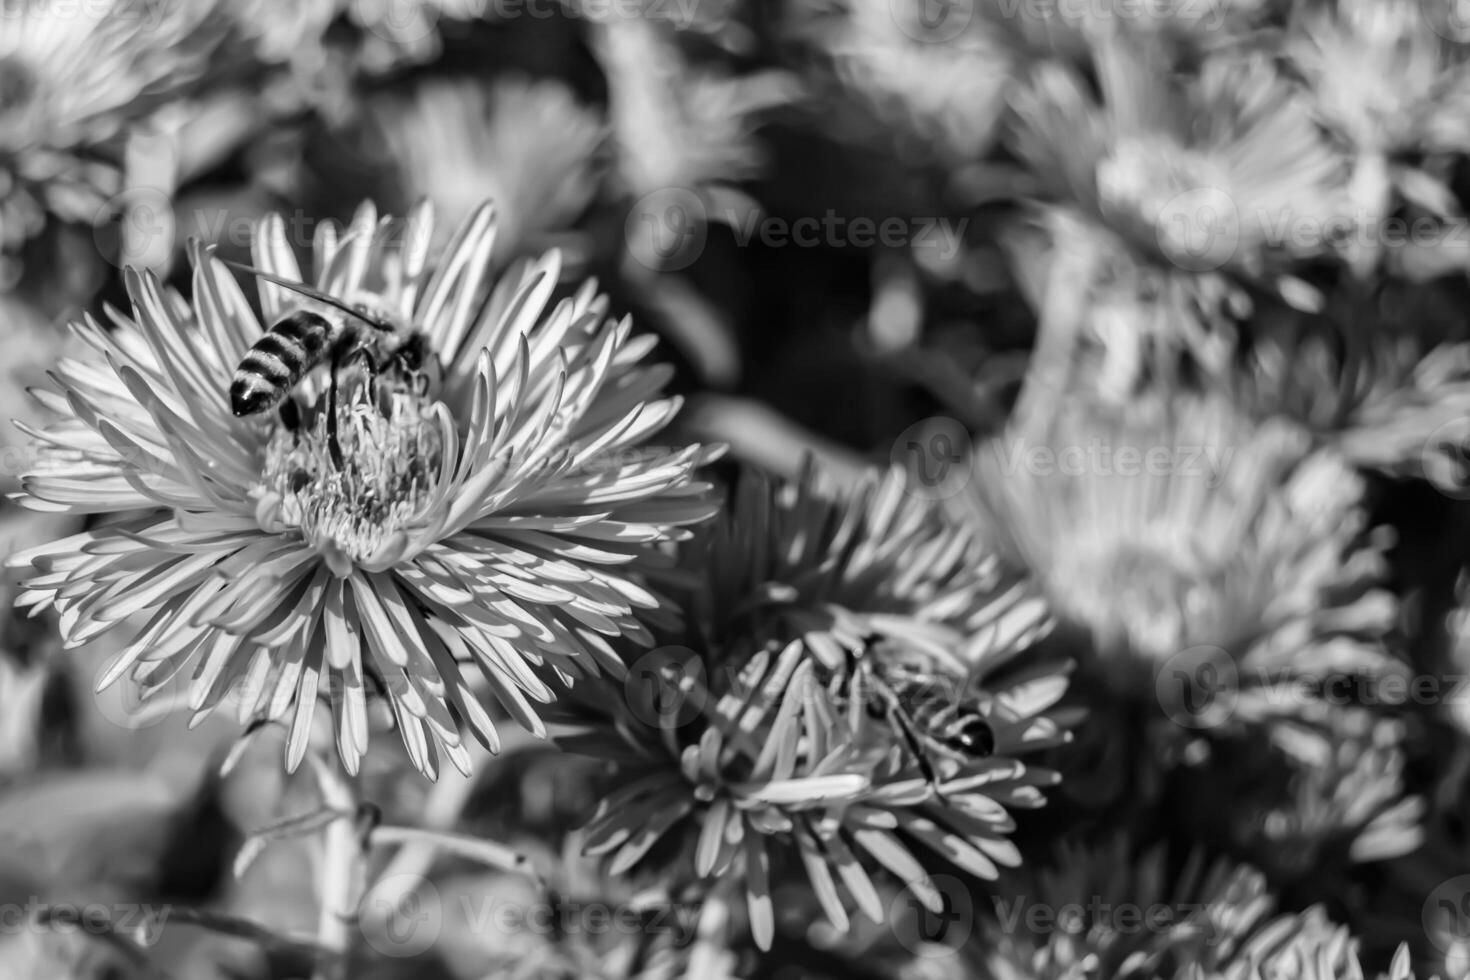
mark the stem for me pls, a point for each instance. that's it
(1063, 313)
(442, 807)
(341, 871)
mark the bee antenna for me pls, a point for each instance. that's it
(311, 293)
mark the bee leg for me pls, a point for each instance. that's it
(334, 444)
(291, 417)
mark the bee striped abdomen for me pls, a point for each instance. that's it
(271, 367)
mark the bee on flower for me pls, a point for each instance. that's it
(849, 669)
(443, 530)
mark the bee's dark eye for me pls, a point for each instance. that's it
(975, 736)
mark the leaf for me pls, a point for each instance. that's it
(811, 791)
(890, 853)
(758, 892)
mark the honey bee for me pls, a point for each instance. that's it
(304, 339)
(932, 719)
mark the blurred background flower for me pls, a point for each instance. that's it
(528, 145)
(916, 263)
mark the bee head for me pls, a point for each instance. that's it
(975, 736)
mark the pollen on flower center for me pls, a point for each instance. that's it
(391, 454)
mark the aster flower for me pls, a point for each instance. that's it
(73, 78)
(487, 513)
(1344, 801)
(1175, 527)
(777, 748)
(679, 130)
(1200, 185)
(1107, 913)
(527, 143)
(386, 33)
(947, 92)
(1390, 78)
(1375, 378)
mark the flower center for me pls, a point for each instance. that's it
(349, 507)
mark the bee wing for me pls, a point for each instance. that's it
(311, 293)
